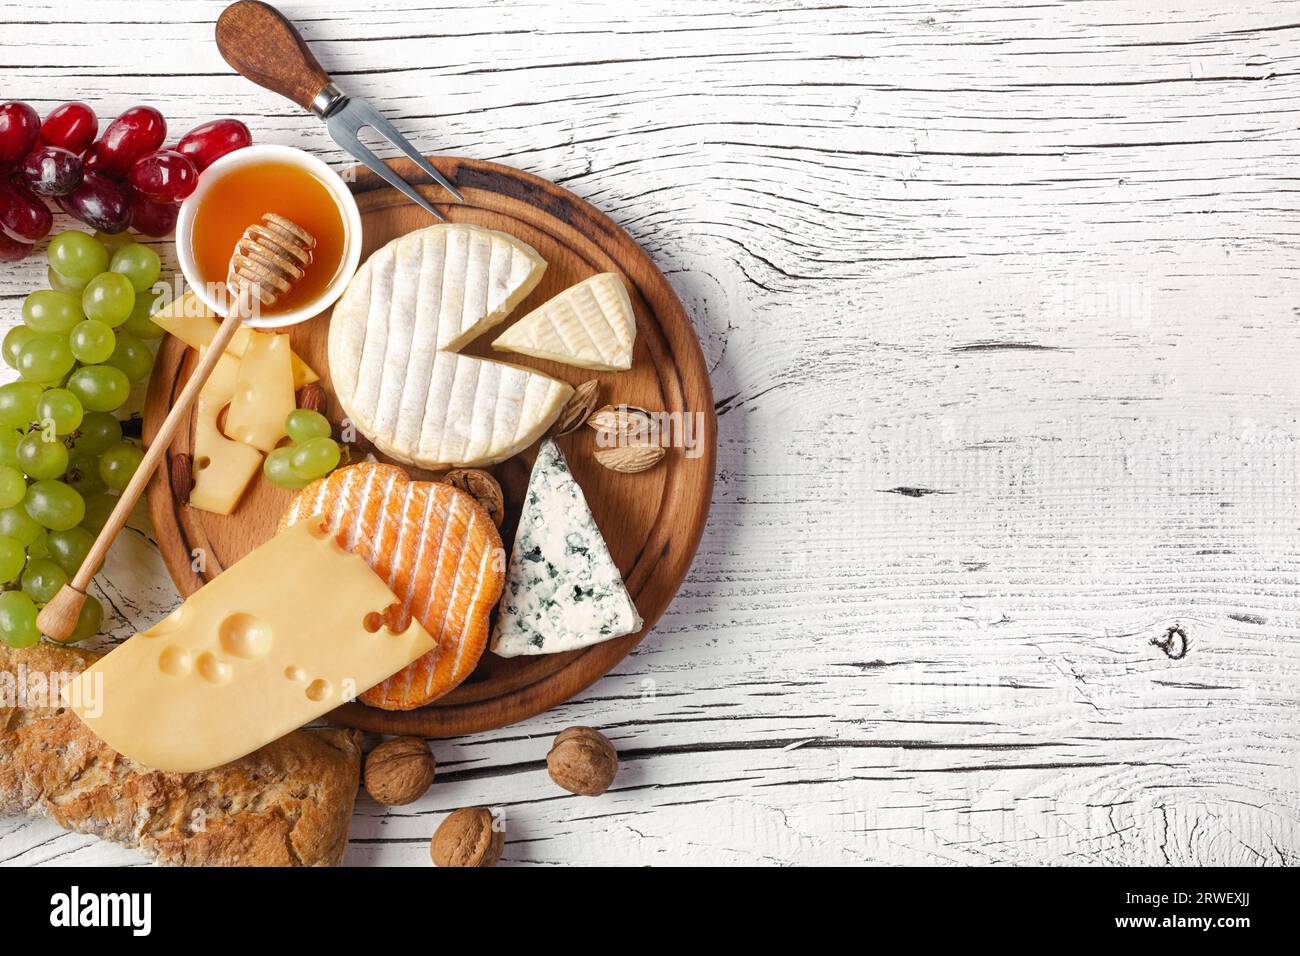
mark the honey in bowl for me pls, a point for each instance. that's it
(242, 197)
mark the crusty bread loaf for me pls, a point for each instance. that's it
(288, 804)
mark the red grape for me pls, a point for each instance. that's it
(204, 145)
(19, 126)
(152, 218)
(139, 130)
(98, 202)
(13, 251)
(23, 217)
(52, 171)
(72, 126)
(163, 176)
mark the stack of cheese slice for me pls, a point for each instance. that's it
(563, 590)
(256, 378)
(393, 340)
(590, 325)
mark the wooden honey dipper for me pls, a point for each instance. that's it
(269, 258)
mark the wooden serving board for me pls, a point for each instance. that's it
(652, 521)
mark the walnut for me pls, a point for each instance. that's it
(482, 487)
(468, 837)
(582, 761)
(398, 771)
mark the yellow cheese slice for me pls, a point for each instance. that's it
(263, 392)
(590, 325)
(222, 468)
(194, 323)
(288, 633)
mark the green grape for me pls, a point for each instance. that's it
(40, 458)
(88, 621)
(278, 469)
(131, 356)
(14, 340)
(13, 486)
(60, 408)
(101, 388)
(45, 358)
(139, 323)
(83, 474)
(9, 439)
(42, 579)
(61, 283)
(92, 342)
(68, 548)
(18, 620)
(98, 508)
(12, 558)
(303, 424)
(138, 263)
(118, 464)
(113, 241)
(16, 523)
(76, 255)
(38, 548)
(109, 297)
(18, 403)
(315, 458)
(54, 505)
(99, 432)
(47, 311)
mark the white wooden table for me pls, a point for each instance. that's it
(1003, 316)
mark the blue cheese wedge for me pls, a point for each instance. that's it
(563, 590)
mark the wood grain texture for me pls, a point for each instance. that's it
(652, 521)
(999, 302)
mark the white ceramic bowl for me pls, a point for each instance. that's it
(282, 154)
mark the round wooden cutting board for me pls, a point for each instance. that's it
(652, 521)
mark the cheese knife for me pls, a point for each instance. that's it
(263, 46)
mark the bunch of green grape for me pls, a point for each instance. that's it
(313, 454)
(82, 344)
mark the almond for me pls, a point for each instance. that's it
(630, 459)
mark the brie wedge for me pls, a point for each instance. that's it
(590, 325)
(392, 343)
(563, 590)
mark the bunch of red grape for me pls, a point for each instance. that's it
(124, 178)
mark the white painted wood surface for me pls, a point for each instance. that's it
(1001, 306)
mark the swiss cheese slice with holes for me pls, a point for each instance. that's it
(291, 631)
(222, 467)
(435, 547)
(392, 340)
(590, 325)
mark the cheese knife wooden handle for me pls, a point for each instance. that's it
(257, 40)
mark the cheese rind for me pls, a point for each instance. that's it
(563, 590)
(222, 467)
(263, 392)
(194, 323)
(275, 641)
(590, 325)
